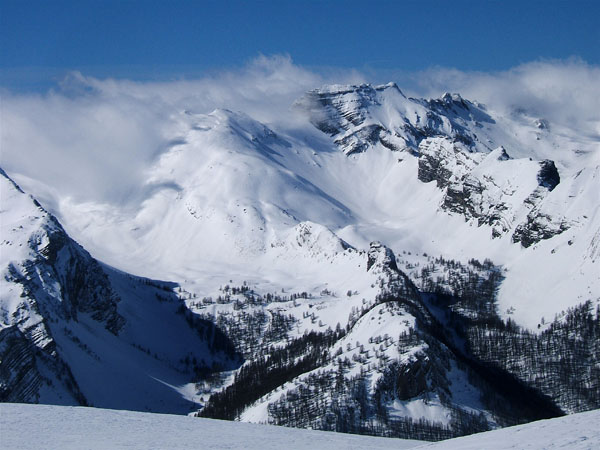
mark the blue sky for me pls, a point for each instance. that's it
(150, 39)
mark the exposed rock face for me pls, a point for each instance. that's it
(492, 189)
(317, 239)
(412, 380)
(20, 379)
(382, 261)
(30, 364)
(366, 137)
(58, 267)
(340, 108)
(481, 188)
(75, 332)
(548, 176)
(381, 258)
(537, 227)
(345, 114)
(445, 161)
(479, 183)
(53, 278)
(359, 117)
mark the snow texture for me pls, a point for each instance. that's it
(79, 428)
(90, 428)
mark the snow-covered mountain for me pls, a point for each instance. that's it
(74, 331)
(366, 260)
(459, 181)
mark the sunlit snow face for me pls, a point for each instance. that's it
(94, 139)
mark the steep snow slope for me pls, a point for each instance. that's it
(453, 140)
(74, 428)
(76, 332)
(345, 112)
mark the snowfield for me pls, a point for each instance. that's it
(28, 427)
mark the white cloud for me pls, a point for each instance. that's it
(564, 92)
(82, 143)
(93, 139)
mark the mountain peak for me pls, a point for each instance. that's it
(389, 86)
(381, 257)
(15, 185)
(451, 97)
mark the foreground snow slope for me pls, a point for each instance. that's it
(90, 428)
(575, 432)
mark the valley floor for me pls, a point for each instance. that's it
(25, 426)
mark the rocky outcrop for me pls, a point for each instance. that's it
(381, 258)
(317, 240)
(492, 189)
(339, 108)
(75, 332)
(20, 380)
(548, 176)
(364, 116)
(445, 161)
(48, 277)
(61, 272)
(479, 182)
(365, 137)
(537, 227)
(27, 367)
